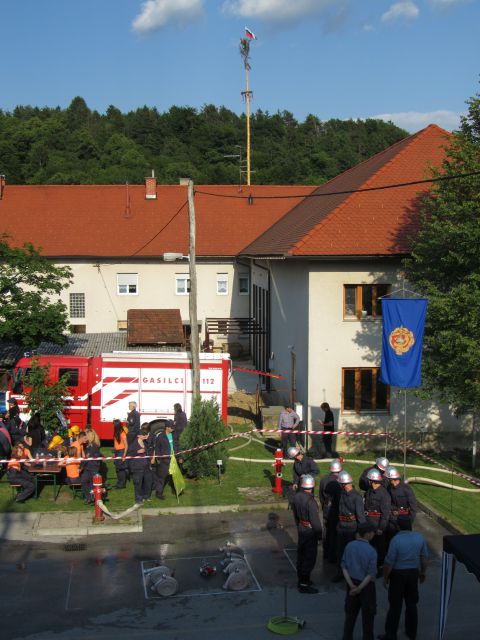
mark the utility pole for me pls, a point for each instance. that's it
(192, 301)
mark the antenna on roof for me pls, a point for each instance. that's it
(128, 210)
(241, 164)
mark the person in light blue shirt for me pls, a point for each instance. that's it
(405, 565)
(359, 566)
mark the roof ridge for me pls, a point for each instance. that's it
(408, 142)
(419, 135)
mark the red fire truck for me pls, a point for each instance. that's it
(101, 387)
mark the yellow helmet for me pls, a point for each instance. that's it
(55, 441)
(73, 430)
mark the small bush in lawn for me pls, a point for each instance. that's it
(205, 425)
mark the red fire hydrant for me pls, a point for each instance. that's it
(278, 464)
(98, 491)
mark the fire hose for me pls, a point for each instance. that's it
(117, 516)
(439, 483)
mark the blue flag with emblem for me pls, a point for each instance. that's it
(402, 341)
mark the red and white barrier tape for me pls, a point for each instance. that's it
(193, 449)
(259, 373)
(459, 474)
(61, 460)
(321, 433)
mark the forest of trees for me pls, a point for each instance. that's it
(79, 146)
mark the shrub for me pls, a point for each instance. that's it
(205, 425)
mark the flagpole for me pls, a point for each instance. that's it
(247, 99)
(404, 435)
(245, 54)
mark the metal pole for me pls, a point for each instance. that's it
(192, 302)
(247, 98)
(474, 439)
(405, 435)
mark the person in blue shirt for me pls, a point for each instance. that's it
(359, 566)
(404, 567)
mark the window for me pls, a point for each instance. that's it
(127, 284)
(362, 301)
(363, 392)
(244, 284)
(182, 284)
(77, 305)
(78, 328)
(72, 376)
(222, 284)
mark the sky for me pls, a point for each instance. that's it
(414, 62)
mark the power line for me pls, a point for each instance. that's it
(346, 192)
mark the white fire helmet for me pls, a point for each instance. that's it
(392, 473)
(308, 481)
(345, 478)
(335, 466)
(374, 475)
(382, 463)
(293, 452)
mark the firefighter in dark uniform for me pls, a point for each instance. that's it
(139, 465)
(351, 513)
(377, 512)
(380, 465)
(302, 465)
(404, 503)
(330, 491)
(133, 422)
(307, 519)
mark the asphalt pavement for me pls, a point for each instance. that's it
(71, 587)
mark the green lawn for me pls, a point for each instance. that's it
(461, 509)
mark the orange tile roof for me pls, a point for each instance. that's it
(155, 326)
(372, 223)
(113, 221)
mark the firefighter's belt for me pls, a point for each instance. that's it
(402, 511)
(305, 523)
(373, 514)
(350, 518)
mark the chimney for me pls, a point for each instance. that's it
(2, 186)
(151, 187)
(184, 182)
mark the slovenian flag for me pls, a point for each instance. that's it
(250, 34)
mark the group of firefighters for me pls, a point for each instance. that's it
(387, 507)
(140, 454)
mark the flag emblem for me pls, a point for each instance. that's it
(249, 33)
(401, 340)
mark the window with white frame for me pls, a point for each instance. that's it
(182, 284)
(127, 284)
(77, 305)
(222, 284)
(244, 284)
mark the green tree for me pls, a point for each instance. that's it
(29, 288)
(44, 396)
(204, 426)
(445, 267)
